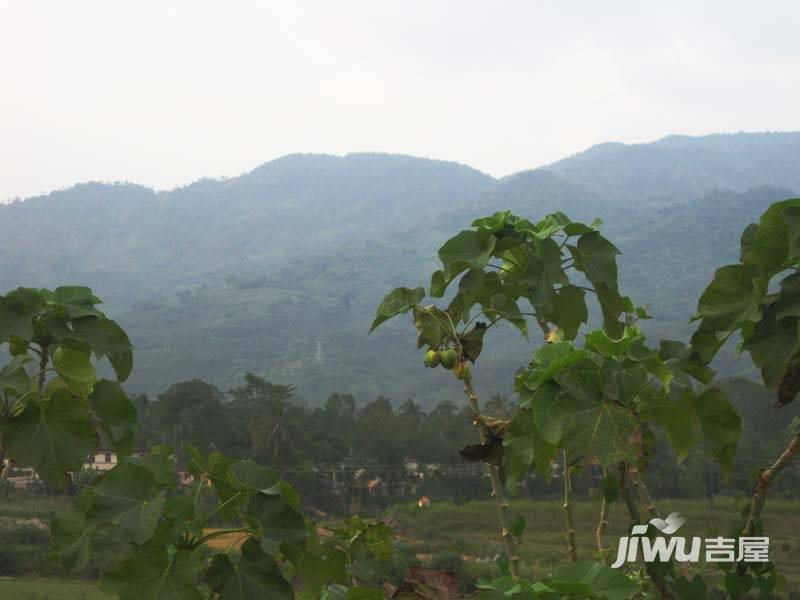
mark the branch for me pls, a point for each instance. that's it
(633, 511)
(568, 520)
(644, 494)
(601, 528)
(765, 480)
(497, 486)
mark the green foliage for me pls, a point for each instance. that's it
(743, 298)
(53, 416)
(166, 528)
(509, 264)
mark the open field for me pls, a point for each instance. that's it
(471, 531)
(49, 589)
(446, 535)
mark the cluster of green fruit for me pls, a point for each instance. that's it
(449, 359)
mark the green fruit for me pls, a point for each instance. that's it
(449, 358)
(431, 359)
(462, 370)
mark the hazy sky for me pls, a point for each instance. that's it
(163, 93)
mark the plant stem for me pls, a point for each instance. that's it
(601, 528)
(42, 368)
(765, 480)
(497, 485)
(644, 494)
(568, 520)
(633, 511)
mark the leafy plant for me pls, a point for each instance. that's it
(594, 405)
(758, 298)
(53, 415)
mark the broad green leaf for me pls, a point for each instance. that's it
(279, 521)
(543, 404)
(549, 361)
(677, 417)
(54, 435)
(253, 576)
(597, 258)
(592, 429)
(494, 222)
(570, 310)
(76, 301)
(468, 249)
(231, 496)
(439, 284)
(602, 344)
(106, 338)
(75, 369)
(398, 301)
(769, 246)
(251, 476)
(788, 302)
(773, 345)
(14, 379)
(503, 307)
(130, 497)
(433, 325)
(116, 413)
(469, 289)
(731, 298)
(524, 448)
(152, 573)
(720, 425)
(596, 580)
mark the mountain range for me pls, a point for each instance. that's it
(278, 271)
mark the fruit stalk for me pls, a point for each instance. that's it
(497, 485)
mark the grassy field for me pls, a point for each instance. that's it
(466, 536)
(49, 589)
(470, 532)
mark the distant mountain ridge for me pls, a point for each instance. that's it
(258, 272)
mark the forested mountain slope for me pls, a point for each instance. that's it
(278, 271)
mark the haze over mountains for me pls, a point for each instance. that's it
(278, 271)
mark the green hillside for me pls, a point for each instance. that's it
(278, 271)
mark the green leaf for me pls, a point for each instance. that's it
(253, 575)
(130, 497)
(151, 573)
(468, 249)
(549, 361)
(398, 301)
(738, 585)
(677, 418)
(720, 425)
(279, 521)
(116, 413)
(75, 369)
(433, 325)
(106, 338)
(503, 307)
(594, 580)
(788, 302)
(731, 298)
(596, 257)
(76, 301)
(251, 476)
(602, 344)
(769, 246)
(54, 435)
(773, 345)
(570, 310)
(13, 376)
